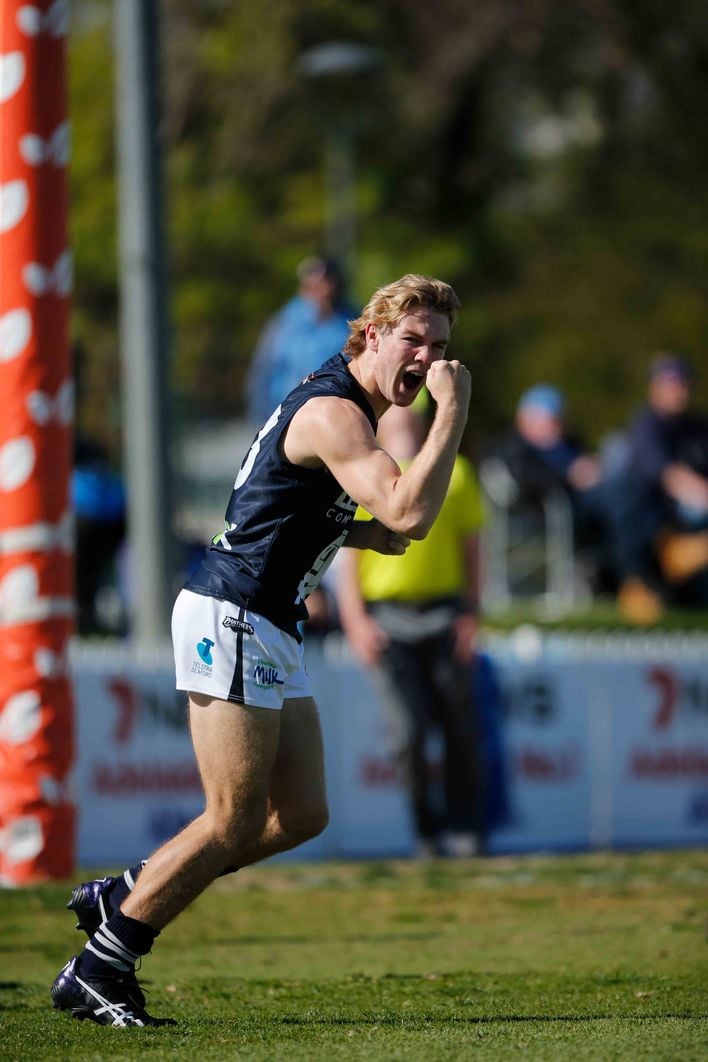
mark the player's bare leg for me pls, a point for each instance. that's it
(236, 748)
(297, 811)
(297, 801)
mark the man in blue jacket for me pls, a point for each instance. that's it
(309, 329)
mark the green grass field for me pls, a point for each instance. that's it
(579, 957)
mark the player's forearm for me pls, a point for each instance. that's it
(419, 492)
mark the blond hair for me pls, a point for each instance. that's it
(389, 304)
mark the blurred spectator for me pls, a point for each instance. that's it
(98, 500)
(308, 330)
(667, 496)
(539, 450)
(413, 619)
(541, 454)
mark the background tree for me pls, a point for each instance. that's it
(548, 159)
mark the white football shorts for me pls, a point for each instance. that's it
(225, 651)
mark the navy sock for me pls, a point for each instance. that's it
(124, 885)
(116, 946)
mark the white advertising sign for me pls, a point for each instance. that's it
(545, 728)
(136, 780)
(598, 749)
(368, 810)
(660, 752)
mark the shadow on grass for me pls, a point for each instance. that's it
(323, 938)
(484, 1019)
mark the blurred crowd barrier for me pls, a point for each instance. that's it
(590, 742)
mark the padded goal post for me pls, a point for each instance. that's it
(37, 819)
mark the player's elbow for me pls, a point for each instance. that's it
(418, 530)
(409, 515)
(413, 524)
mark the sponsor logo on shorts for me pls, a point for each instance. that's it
(204, 649)
(238, 625)
(265, 675)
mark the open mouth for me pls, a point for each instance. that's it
(412, 380)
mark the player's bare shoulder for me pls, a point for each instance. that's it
(325, 426)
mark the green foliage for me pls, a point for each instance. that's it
(547, 160)
(594, 956)
(92, 228)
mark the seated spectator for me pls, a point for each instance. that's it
(541, 454)
(308, 330)
(667, 496)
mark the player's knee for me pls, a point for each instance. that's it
(240, 837)
(306, 823)
(236, 830)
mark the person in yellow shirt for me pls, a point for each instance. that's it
(413, 619)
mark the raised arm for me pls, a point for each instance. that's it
(336, 433)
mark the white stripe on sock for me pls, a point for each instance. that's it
(105, 939)
(111, 936)
(108, 939)
(110, 959)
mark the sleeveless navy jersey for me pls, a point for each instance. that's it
(284, 523)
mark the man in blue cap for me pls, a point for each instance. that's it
(540, 452)
(542, 456)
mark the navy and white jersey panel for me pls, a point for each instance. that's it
(284, 523)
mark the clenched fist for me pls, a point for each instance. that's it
(449, 382)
